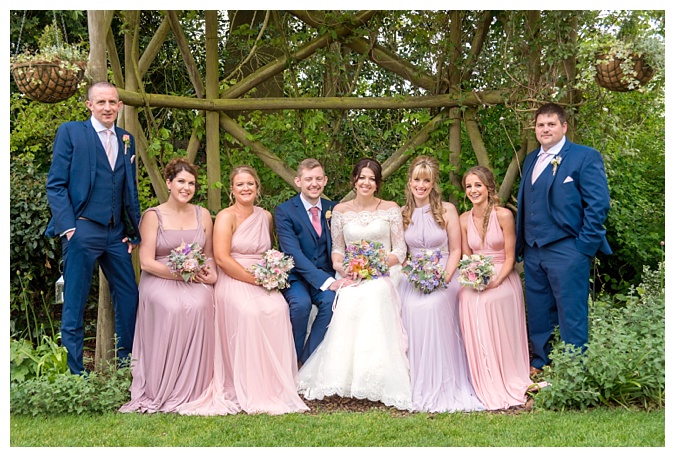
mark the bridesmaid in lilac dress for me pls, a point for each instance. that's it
(255, 364)
(493, 320)
(438, 367)
(172, 357)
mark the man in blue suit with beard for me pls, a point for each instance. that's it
(92, 193)
(303, 229)
(563, 202)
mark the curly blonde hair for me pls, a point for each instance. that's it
(424, 167)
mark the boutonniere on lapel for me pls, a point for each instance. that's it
(127, 141)
(556, 161)
(329, 214)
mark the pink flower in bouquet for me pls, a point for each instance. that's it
(187, 260)
(476, 271)
(271, 272)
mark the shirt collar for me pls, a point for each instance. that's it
(100, 127)
(308, 205)
(555, 149)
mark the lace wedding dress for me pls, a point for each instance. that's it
(364, 352)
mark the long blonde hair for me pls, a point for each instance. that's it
(485, 176)
(424, 167)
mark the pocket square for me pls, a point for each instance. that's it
(132, 158)
(568, 179)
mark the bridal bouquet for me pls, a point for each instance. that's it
(365, 260)
(187, 260)
(425, 272)
(476, 271)
(272, 270)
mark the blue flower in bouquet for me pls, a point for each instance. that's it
(186, 260)
(425, 271)
(271, 272)
(365, 260)
(476, 271)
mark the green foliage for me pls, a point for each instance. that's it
(64, 393)
(48, 359)
(33, 257)
(624, 362)
(52, 48)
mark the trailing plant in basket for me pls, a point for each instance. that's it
(51, 74)
(53, 49)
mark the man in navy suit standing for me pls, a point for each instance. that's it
(563, 202)
(303, 228)
(93, 197)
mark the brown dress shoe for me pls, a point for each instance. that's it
(534, 371)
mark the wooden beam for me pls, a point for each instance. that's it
(184, 47)
(281, 63)
(491, 97)
(378, 54)
(212, 121)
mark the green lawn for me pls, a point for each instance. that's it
(601, 427)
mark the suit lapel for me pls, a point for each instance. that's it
(303, 217)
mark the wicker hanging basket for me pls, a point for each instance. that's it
(48, 82)
(609, 73)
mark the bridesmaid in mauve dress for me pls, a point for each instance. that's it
(493, 320)
(255, 363)
(438, 367)
(172, 356)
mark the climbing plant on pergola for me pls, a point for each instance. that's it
(447, 83)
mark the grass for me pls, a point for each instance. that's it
(600, 427)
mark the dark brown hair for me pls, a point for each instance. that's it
(177, 165)
(551, 108)
(371, 164)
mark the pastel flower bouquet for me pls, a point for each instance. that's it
(271, 272)
(365, 260)
(425, 272)
(476, 271)
(187, 260)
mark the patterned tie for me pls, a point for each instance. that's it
(109, 149)
(315, 219)
(542, 161)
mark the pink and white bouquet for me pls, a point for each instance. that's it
(187, 260)
(365, 260)
(476, 271)
(272, 270)
(425, 272)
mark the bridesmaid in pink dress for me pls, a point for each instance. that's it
(438, 368)
(172, 356)
(255, 363)
(493, 321)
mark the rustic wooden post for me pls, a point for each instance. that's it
(212, 117)
(97, 68)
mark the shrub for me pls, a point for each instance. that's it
(97, 392)
(28, 362)
(624, 362)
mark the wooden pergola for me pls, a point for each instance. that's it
(214, 103)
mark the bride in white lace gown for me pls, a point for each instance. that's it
(364, 352)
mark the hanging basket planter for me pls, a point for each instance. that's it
(610, 73)
(48, 82)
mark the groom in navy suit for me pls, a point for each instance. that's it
(92, 193)
(303, 228)
(563, 202)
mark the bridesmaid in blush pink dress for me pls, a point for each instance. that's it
(438, 367)
(172, 356)
(493, 320)
(255, 364)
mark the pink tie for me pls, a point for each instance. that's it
(109, 149)
(315, 219)
(542, 161)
